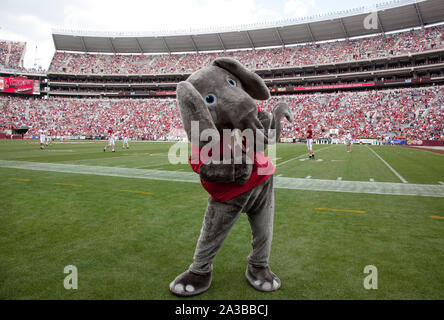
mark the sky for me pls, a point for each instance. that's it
(32, 21)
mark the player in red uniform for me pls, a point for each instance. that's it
(309, 137)
(111, 140)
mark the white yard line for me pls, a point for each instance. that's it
(299, 157)
(151, 165)
(150, 174)
(389, 166)
(366, 187)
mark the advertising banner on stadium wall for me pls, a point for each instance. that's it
(397, 142)
(414, 142)
(19, 85)
(433, 143)
(367, 141)
(336, 86)
(166, 93)
(429, 143)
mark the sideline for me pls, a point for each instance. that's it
(384, 188)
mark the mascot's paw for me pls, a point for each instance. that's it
(190, 284)
(262, 278)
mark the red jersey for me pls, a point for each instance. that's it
(110, 131)
(262, 169)
(309, 134)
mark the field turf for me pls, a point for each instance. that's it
(130, 237)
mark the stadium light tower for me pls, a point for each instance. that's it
(36, 58)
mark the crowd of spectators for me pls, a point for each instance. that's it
(308, 54)
(4, 49)
(12, 55)
(412, 113)
(151, 119)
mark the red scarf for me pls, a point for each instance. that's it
(262, 169)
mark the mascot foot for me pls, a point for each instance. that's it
(190, 284)
(262, 278)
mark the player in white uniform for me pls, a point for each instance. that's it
(125, 139)
(348, 139)
(49, 137)
(42, 139)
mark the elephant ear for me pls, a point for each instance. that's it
(251, 82)
(266, 119)
(279, 111)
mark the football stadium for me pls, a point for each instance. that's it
(99, 200)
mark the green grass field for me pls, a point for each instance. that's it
(129, 237)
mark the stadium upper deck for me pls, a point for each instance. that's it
(391, 16)
(310, 54)
(92, 64)
(406, 57)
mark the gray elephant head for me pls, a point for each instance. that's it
(222, 96)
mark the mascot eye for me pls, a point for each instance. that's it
(231, 82)
(210, 99)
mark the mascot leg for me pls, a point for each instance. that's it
(219, 219)
(260, 216)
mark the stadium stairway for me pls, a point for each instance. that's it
(438, 96)
(8, 54)
(27, 111)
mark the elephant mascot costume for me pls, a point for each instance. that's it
(214, 100)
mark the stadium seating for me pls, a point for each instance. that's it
(414, 113)
(11, 54)
(11, 57)
(330, 52)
